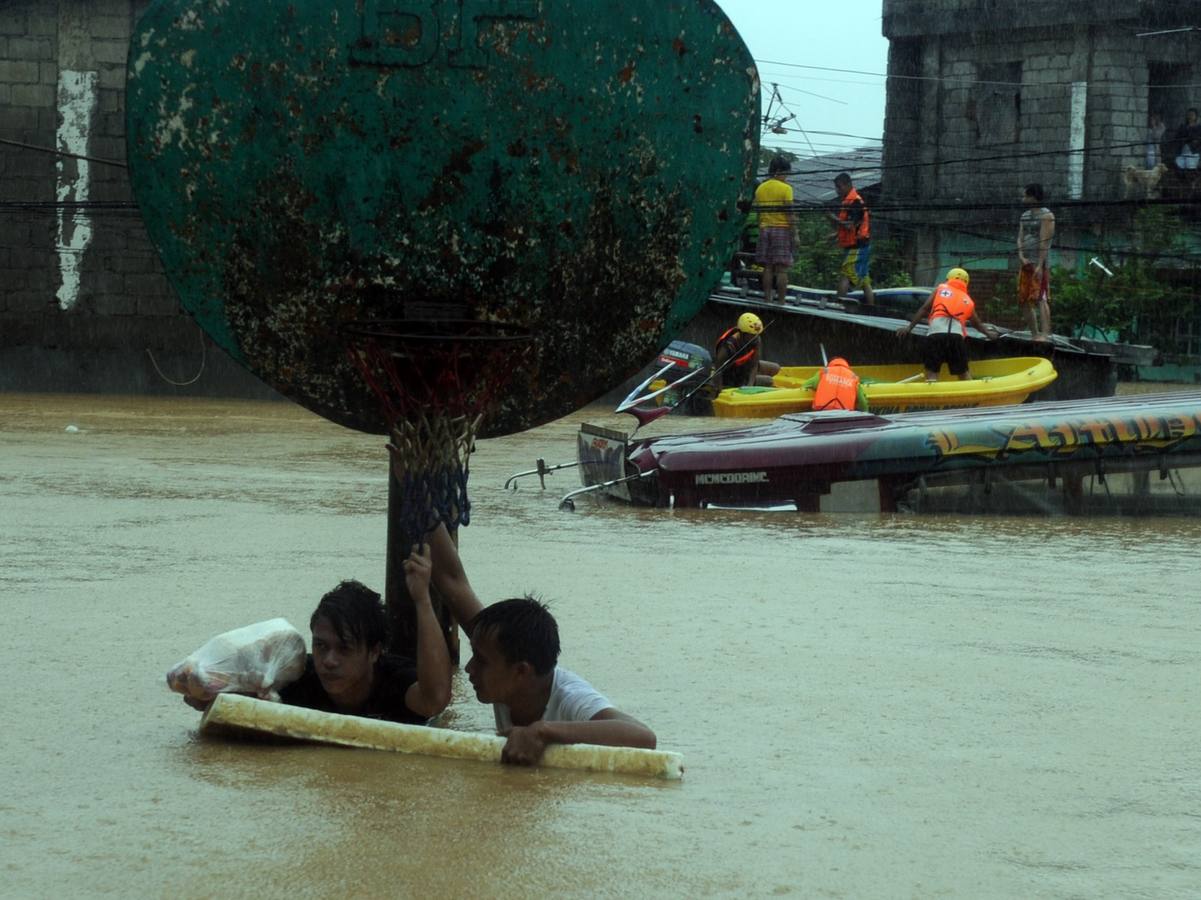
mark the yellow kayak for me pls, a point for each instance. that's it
(896, 388)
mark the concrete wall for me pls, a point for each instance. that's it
(1002, 92)
(82, 294)
(923, 18)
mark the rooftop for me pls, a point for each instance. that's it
(812, 178)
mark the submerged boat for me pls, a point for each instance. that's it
(896, 388)
(802, 459)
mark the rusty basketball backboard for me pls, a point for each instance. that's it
(569, 167)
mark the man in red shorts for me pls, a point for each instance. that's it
(1036, 229)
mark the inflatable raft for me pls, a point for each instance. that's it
(896, 388)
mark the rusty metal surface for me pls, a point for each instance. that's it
(569, 166)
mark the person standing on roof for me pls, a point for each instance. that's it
(1036, 230)
(776, 240)
(854, 236)
(738, 351)
(951, 309)
(837, 386)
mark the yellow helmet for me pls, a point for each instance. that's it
(958, 274)
(749, 323)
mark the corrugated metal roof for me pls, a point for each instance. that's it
(812, 178)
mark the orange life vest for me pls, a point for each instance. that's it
(951, 302)
(849, 234)
(838, 387)
(749, 351)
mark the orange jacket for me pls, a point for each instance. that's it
(951, 302)
(850, 234)
(749, 350)
(738, 373)
(838, 387)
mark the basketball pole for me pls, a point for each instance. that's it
(401, 613)
(435, 380)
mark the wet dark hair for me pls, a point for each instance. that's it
(778, 165)
(524, 631)
(356, 614)
(1035, 190)
(842, 178)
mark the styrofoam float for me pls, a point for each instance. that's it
(237, 712)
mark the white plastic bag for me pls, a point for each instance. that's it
(257, 659)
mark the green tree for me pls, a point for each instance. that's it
(819, 257)
(1146, 295)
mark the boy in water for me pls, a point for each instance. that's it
(515, 648)
(348, 670)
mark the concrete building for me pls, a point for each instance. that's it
(84, 305)
(987, 95)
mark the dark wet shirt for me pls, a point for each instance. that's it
(393, 676)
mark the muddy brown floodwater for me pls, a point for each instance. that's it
(868, 706)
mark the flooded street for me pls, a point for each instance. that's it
(868, 706)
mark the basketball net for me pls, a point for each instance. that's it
(435, 381)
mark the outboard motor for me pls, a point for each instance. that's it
(686, 357)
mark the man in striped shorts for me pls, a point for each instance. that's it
(773, 203)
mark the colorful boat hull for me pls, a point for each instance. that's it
(797, 458)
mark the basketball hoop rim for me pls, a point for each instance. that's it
(435, 331)
(427, 369)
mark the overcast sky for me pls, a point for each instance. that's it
(786, 34)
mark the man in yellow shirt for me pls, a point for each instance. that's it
(773, 203)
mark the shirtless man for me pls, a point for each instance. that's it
(1036, 229)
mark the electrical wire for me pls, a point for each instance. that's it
(952, 79)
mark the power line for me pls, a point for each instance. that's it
(952, 79)
(54, 206)
(1029, 154)
(1189, 257)
(53, 152)
(818, 96)
(1010, 206)
(858, 137)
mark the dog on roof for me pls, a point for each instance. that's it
(1142, 183)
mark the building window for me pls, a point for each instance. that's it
(998, 104)
(1170, 92)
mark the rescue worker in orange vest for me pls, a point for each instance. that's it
(740, 346)
(951, 309)
(854, 236)
(837, 386)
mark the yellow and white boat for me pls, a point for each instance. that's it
(896, 388)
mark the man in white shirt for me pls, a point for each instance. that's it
(515, 650)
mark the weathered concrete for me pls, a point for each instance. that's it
(984, 105)
(82, 294)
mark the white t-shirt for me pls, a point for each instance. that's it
(572, 699)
